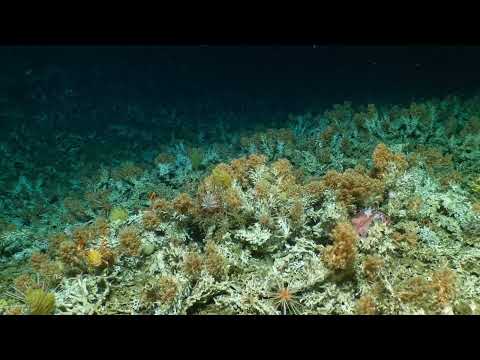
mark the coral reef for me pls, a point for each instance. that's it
(349, 210)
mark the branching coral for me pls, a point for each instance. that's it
(222, 229)
(82, 295)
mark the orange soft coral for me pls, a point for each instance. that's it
(130, 241)
(243, 166)
(183, 204)
(366, 306)
(354, 187)
(341, 255)
(384, 160)
(443, 285)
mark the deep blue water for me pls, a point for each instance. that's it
(255, 79)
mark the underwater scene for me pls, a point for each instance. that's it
(239, 180)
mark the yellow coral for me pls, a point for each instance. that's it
(222, 176)
(94, 258)
(475, 186)
(196, 158)
(40, 302)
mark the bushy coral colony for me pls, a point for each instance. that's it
(352, 210)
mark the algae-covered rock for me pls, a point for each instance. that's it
(462, 308)
(147, 249)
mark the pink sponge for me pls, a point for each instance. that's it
(365, 218)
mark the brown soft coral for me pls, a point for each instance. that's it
(168, 287)
(83, 235)
(163, 290)
(372, 266)
(70, 254)
(126, 171)
(54, 242)
(443, 285)
(183, 204)
(341, 255)
(242, 167)
(366, 306)
(161, 207)
(193, 264)
(150, 220)
(76, 209)
(431, 295)
(130, 241)
(384, 160)
(283, 171)
(51, 271)
(215, 263)
(315, 191)
(354, 188)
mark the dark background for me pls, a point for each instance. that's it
(276, 78)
